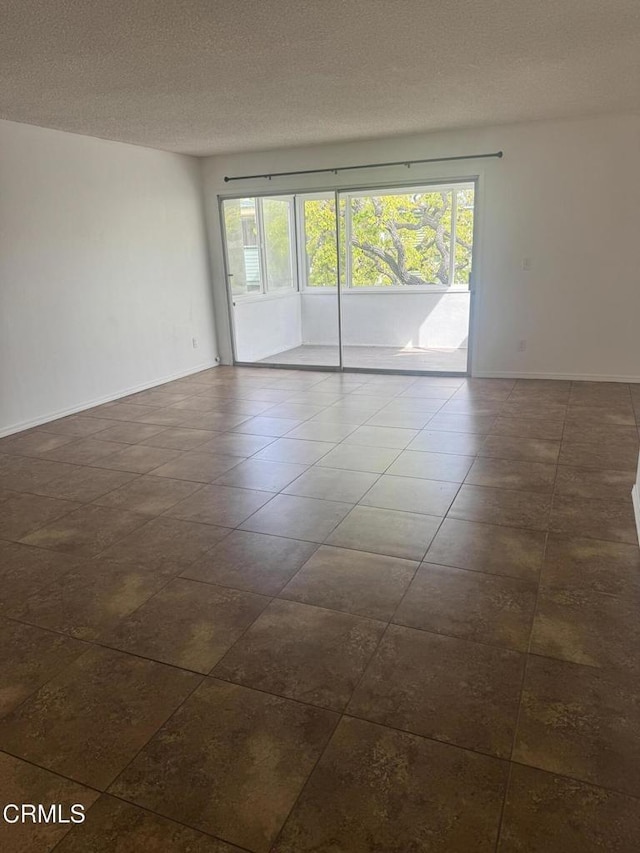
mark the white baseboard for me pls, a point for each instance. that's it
(577, 377)
(635, 497)
(89, 404)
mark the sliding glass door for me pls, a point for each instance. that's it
(271, 319)
(406, 299)
(274, 246)
(319, 270)
(381, 283)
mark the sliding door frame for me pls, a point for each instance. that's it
(337, 193)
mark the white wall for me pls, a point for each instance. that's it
(103, 271)
(267, 325)
(565, 195)
(387, 318)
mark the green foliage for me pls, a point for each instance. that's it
(396, 239)
(277, 241)
(464, 235)
(320, 242)
(400, 239)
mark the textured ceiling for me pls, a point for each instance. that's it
(209, 76)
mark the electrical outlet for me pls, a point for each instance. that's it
(526, 264)
(194, 343)
(522, 345)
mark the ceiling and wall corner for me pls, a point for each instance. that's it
(214, 76)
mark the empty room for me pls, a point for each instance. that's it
(319, 426)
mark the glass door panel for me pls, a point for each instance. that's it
(277, 220)
(405, 270)
(319, 277)
(281, 264)
(405, 299)
(241, 238)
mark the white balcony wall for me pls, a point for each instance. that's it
(387, 318)
(266, 325)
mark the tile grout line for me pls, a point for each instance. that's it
(341, 717)
(522, 683)
(149, 811)
(384, 633)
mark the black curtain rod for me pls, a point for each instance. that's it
(337, 169)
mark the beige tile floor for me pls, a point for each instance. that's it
(270, 610)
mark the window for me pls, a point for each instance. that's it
(318, 226)
(240, 223)
(278, 243)
(260, 245)
(405, 238)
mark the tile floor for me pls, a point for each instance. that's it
(270, 610)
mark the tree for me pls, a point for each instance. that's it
(320, 241)
(400, 239)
